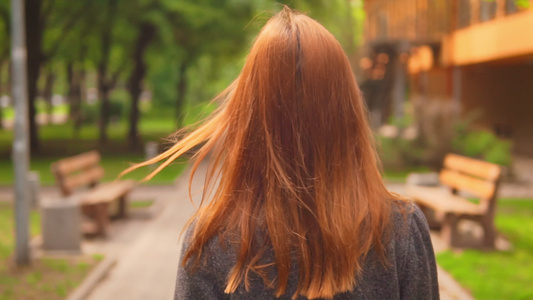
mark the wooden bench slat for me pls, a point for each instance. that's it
(92, 175)
(478, 187)
(108, 192)
(440, 199)
(75, 163)
(472, 166)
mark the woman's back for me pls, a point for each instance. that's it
(410, 274)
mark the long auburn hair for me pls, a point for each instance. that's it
(292, 158)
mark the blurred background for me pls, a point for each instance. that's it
(117, 76)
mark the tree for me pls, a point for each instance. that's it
(117, 40)
(208, 27)
(220, 29)
(343, 18)
(79, 48)
(5, 19)
(47, 93)
(106, 81)
(75, 79)
(35, 23)
(40, 16)
(145, 36)
(147, 19)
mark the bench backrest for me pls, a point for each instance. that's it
(77, 171)
(477, 177)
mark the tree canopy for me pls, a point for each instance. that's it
(177, 51)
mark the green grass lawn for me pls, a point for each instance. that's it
(8, 113)
(400, 175)
(53, 137)
(112, 164)
(60, 141)
(499, 274)
(46, 278)
(138, 204)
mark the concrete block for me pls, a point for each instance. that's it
(424, 179)
(34, 184)
(151, 150)
(61, 222)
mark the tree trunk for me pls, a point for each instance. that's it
(74, 97)
(34, 36)
(2, 92)
(135, 82)
(48, 93)
(70, 96)
(182, 91)
(103, 94)
(82, 96)
(104, 83)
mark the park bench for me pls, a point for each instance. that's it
(444, 206)
(80, 176)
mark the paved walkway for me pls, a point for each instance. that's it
(147, 265)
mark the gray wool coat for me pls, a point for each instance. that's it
(412, 273)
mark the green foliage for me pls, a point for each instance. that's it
(211, 37)
(483, 145)
(163, 76)
(344, 19)
(398, 154)
(499, 274)
(98, 257)
(439, 133)
(89, 113)
(473, 143)
(523, 4)
(5, 27)
(402, 123)
(116, 109)
(194, 33)
(199, 43)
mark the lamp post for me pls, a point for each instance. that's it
(20, 145)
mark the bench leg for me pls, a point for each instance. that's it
(489, 234)
(99, 214)
(449, 232)
(122, 207)
(434, 222)
(102, 218)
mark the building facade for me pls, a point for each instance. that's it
(475, 53)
